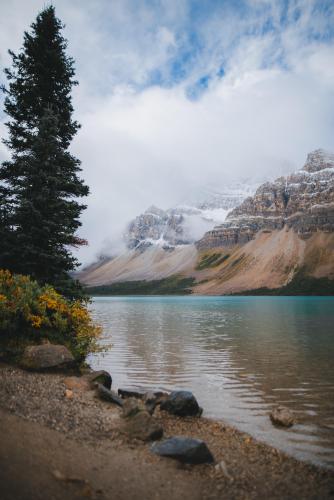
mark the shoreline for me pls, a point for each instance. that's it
(93, 454)
(301, 285)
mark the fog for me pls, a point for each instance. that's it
(164, 116)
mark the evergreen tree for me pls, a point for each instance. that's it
(39, 211)
(5, 232)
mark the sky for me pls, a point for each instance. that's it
(176, 95)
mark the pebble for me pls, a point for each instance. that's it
(68, 394)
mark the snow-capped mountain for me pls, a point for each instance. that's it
(303, 201)
(283, 232)
(187, 222)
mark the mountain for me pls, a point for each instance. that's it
(282, 233)
(187, 222)
(303, 201)
(161, 242)
(280, 238)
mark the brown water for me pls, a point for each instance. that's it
(239, 355)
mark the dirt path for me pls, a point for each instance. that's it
(53, 447)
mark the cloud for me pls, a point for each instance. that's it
(177, 95)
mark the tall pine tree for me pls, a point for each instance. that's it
(39, 211)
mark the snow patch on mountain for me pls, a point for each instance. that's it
(188, 221)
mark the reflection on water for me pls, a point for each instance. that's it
(239, 355)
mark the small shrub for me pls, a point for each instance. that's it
(30, 312)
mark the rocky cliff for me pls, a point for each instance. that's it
(303, 201)
(187, 222)
(283, 233)
(160, 243)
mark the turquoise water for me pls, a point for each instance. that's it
(239, 355)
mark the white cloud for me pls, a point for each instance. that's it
(143, 145)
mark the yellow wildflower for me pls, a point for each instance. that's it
(35, 320)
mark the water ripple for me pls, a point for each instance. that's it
(239, 355)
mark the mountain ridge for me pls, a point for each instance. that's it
(285, 228)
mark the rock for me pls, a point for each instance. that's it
(68, 394)
(184, 449)
(153, 399)
(142, 394)
(151, 402)
(142, 426)
(47, 357)
(132, 406)
(131, 393)
(181, 403)
(100, 377)
(108, 395)
(282, 416)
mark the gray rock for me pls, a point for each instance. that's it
(184, 449)
(153, 399)
(108, 395)
(131, 393)
(101, 377)
(181, 403)
(282, 416)
(47, 357)
(142, 426)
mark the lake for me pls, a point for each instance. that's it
(240, 356)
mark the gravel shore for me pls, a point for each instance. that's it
(71, 445)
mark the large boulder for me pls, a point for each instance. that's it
(181, 403)
(142, 426)
(47, 357)
(184, 449)
(282, 416)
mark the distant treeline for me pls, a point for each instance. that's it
(301, 284)
(174, 285)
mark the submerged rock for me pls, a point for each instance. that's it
(181, 403)
(47, 357)
(282, 416)
(142, 426)
(184, 449)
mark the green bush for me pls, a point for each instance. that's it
(33, 313)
